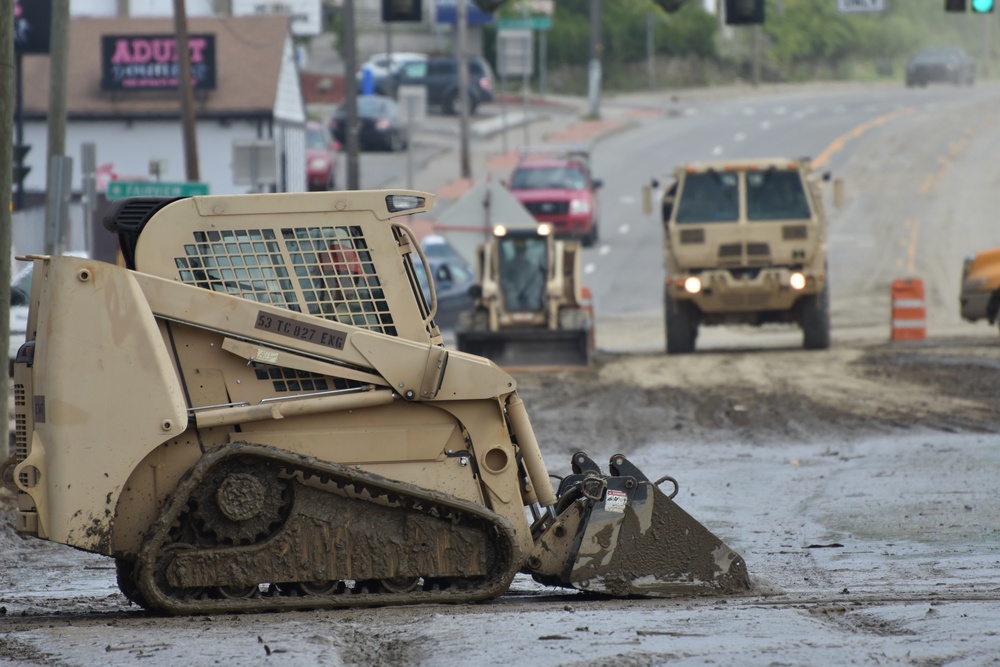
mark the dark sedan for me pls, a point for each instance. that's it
(381, 125)
(950, 64)
(452, 280)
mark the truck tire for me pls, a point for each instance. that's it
(682, 328)
(591, 238)
(816, 320)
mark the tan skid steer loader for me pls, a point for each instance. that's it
(256, 413)
(530, 308)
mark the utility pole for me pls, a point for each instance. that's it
(351, 98)
(58, 64)
(6, 184)
(186, 91)
(462, 61)
(594, 71)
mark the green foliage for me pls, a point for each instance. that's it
(803, 39)
(809, 30)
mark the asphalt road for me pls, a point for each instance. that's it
(904, 156)
(859, 483)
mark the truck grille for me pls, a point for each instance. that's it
(794, 233)
(745, 301)
(738, 254)
(730, 250)
(692, 236)
(547, 207)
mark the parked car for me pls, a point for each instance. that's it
(20, 288)
(556, 186)
(950, 64)
(979, 298)
(321, 158)
(381, 124)
(439, 75)
(452, 280)
(382, 65)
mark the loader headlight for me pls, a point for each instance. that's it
(544, 229)
(797, 281)
(499, 230)
(396, 203)
(692, 284)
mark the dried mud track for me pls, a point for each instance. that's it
(768, 395)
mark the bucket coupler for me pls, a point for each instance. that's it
(620, 535)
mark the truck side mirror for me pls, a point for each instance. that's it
(667, 209)
(596, 183)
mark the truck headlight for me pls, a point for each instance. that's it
(692, 284)
(579, 206)
(797, 281)
(318, 163)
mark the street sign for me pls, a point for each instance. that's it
(514, 52)
(121, 189)
(850, 6)
(525, 23)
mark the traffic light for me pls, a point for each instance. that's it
(670, 6)
(402, 10)
(744, 12)
(488, 6)
(982, 6)
(954, 5)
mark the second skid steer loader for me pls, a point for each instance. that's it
(530, 306)
(256, 413)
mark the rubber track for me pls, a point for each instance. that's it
(357, 484)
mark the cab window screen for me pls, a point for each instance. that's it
(776, 195)
(709, 197)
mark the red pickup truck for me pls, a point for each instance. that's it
(557, 187)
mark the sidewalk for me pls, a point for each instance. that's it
(549, 121)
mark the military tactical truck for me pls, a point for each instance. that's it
(744, 243)
(256, 412)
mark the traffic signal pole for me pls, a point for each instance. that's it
(58, 78)
(6, 173)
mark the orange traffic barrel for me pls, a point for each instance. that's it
(909, 313)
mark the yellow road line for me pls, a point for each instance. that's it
(841, 141)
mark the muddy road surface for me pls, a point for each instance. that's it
(859, 484)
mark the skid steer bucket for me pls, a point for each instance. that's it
(528, 347)
(620, 535)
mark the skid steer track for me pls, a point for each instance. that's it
(254, 528)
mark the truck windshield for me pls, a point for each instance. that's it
(709, 197)
(544, 178)
(776, 195)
